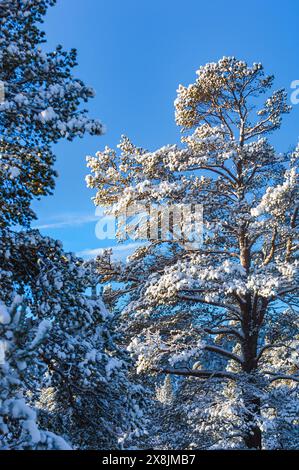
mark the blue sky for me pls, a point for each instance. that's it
(135, 53)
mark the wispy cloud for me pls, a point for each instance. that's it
(67, 220)
(120, 252)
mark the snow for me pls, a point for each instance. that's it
(42, 330)
(14, 172)
(31, 426)
(2, 351)
(47, 115)
(4, 315)
(21, 99)
(185, 355)
(58, 442)
(112, 364)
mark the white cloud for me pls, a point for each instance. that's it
(67, 220)
(120, 252)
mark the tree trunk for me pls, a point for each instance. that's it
(253, 434)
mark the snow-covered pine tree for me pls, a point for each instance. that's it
(81, 388)
(229, 297)
(41, 105)
(77, 377)
(19, 429)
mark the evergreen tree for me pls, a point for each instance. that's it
(76, 378)
(19, 429)
(41, 105)
(228, 297)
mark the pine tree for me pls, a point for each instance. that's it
(75, 382)
(226, 298)
(19, 428)
(41, 105)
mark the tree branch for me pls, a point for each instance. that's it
(201, 374)
(223, 352)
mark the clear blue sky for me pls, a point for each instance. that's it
(135, 53)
